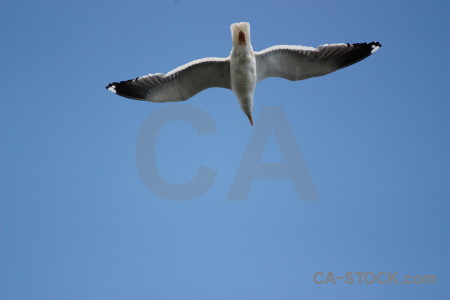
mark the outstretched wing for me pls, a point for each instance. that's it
(179, 84)
(298, 62)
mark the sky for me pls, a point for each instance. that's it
(81, 218)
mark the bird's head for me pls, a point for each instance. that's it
(240, 33)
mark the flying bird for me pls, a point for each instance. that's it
(243, 69)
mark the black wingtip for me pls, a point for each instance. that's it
(357, 52)
(376, 45)
(111, 87)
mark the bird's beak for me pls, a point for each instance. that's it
(250, 118)
(242, 39)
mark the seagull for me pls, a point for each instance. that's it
(243, 69)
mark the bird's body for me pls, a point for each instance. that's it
(243, 69)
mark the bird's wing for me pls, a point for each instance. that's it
(298, 62)
(179, 84)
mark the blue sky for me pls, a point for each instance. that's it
(77, 221)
